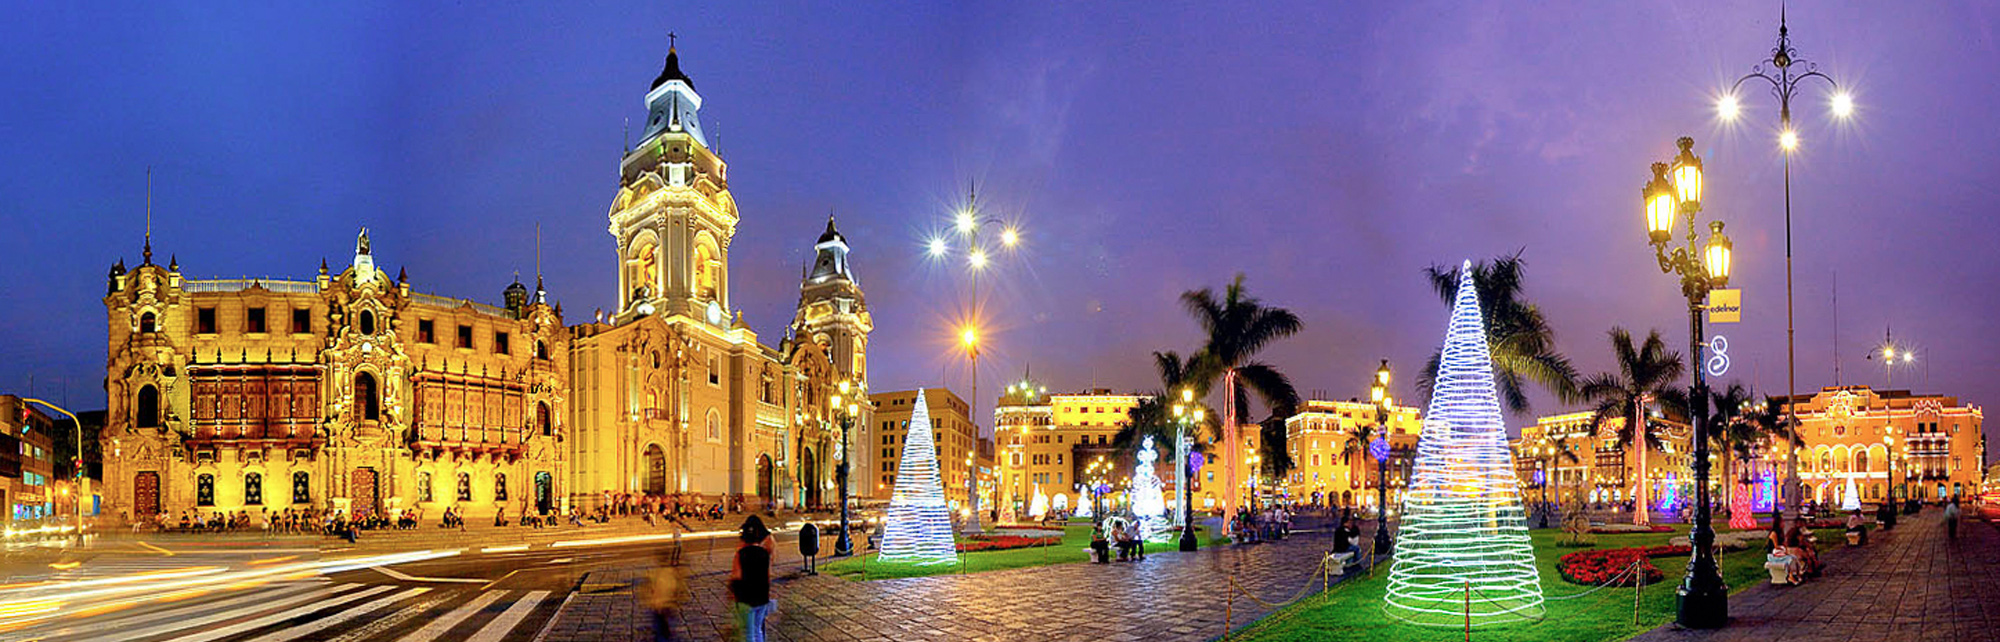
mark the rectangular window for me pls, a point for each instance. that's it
(204, 321)
(465, 336)
(714, 375)
(426, 331)
(253, 320)
(500, 343)
(302, 321)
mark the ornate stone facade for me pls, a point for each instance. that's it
(351, 392)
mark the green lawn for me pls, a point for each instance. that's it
(1353, 609)
(1075, 547)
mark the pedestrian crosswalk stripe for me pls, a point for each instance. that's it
(376, 626)
(315, 626)
(257, 623)
(438, 626)
(274, 597)
(499, 627)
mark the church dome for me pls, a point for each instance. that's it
(672, 71)
(831, 234)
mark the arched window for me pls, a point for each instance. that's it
(253, 489)
(640, 272)
(1826, 462)
(541, 350)
(147, 415)
(1861, 461)
(499, 487)
(423, 486)
(204, 490)
(714, 426)
(464, 487)
(148, 324)
(706, 267)
(366, 400)
(367, 322)
(542, 419)
(301, 488)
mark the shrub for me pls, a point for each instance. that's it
(1600, 566)
(1004, 542)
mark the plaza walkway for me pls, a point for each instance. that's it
(1909, 584)
(1169, 596)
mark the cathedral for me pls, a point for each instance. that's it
(353, 392)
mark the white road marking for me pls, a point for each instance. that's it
(504, 549)
(281, 595)
(212, 634)
(410, 578)
(326, 622)
(438, 626)
(499, 627)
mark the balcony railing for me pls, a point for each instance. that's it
(448, 302)
(238, 285)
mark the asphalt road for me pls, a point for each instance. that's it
(196, 590)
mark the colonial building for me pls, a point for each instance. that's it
(1045, 444)
(1330, 469)
(1927, 446)
(952, 430)
(1602, 469)
(353, 392)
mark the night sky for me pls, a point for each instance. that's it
(1328, 154)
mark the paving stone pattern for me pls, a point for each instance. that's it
(1169, 596)
(1908, 584)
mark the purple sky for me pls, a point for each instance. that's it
(1330, 155)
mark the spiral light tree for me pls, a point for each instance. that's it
(1465, 556)
(918, 528)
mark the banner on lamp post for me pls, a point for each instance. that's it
(1725, 306)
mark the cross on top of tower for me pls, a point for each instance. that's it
(670, 40)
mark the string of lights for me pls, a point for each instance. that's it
(1463, 526)
(918, 527)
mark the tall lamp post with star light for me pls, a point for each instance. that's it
(847, 405)
(1787, 72)
(1186, 413)
(967, 224)
(1674, 193)
(1378, 392)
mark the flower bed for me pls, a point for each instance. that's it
(1004, 542)
(1626, 529)
(1600, 566)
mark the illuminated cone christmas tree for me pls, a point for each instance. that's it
(918, 528)
(1464, 533)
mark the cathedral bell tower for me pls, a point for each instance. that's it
(673, 217)
(832, 311)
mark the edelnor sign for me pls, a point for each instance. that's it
(1725, 306)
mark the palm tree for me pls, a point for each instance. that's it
(1770, 419)
(1153, 416)
(1237, 327)
(1731, 433)
(1645, 373)
(1560, 446)
(1523, 343)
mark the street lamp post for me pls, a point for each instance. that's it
(1185, 413)
(76, 483)
(1674, 192)
(1379, 393)
(1785, 84)
(1889, 357)
(849, 391)
(967, 224)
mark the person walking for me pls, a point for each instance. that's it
(750, 578)
(1951, 519)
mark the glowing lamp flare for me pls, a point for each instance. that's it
(1843, 105)
(1789, 140)
(1728, 108)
